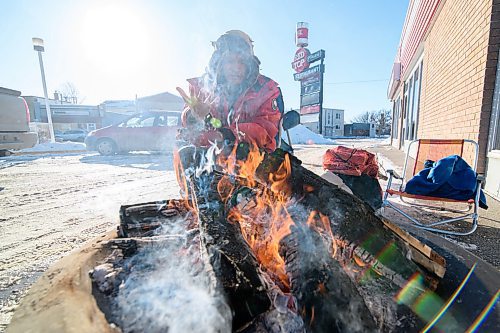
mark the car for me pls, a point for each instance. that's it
(72, 135)
(146, 131)
(14, 122)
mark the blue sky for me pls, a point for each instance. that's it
(115, 49)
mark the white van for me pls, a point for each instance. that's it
(14, 122)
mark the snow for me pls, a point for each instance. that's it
(56, 146)
(466, 246)
(302, 135)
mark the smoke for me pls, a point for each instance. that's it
(168, 289)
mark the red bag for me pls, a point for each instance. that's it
(350, 161)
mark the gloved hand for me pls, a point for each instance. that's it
(242, 151)
(200, 138)
(228, 136)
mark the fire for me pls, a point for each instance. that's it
(263, 218)
(260, 206)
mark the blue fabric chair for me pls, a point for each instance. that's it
(439, 175)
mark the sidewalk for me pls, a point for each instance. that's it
(485, 242)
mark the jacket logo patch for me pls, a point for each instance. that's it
(275, 104)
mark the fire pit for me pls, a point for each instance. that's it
(273, 248)
(266, 247)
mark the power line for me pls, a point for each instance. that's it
(364, 81)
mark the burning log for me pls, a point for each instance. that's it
(326, 296)
(233, 262)
(260, 197)
(141, 220)
(359, 234)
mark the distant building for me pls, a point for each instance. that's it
(116, 111)
(65, 116)
(333, 122)
(360, 129)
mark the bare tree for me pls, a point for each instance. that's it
(381, 118)
(70, 93)
(362, 118)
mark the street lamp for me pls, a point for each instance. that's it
(38, 46)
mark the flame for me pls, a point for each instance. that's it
(180, 175)
(262, 212)
(263, 218)
(225, 188)
(312, 316)
(322, 224)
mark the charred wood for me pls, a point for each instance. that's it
(233, 262)
(326, 296)
(353, 223)
(275, 321)
(143, 220)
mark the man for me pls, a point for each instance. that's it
(232, 101)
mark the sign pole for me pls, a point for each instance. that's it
(321, 99)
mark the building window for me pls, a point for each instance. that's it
(412, 103)
(395, 117)
(337, 116)
(494, 136)
(337, 127)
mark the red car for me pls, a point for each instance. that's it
(150, 131)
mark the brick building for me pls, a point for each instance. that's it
(445, 81)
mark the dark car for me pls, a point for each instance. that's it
(149, 131)
(71, 135)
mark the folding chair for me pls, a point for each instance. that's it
(434, 149)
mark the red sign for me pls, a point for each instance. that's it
(302, 32)
(309, 109)
(300, 60)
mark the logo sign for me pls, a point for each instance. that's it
(316, 56)
(309, 72)
(309, 109)
(302, 32)
(300, 60)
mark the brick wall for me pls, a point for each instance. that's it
(454, 104)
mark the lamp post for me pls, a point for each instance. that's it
(38, 46)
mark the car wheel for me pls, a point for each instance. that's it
(106, 147)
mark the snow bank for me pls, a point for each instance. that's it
(303, 135)
(56, 146)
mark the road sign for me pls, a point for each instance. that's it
(310, 99)
(309, 72)
(310, 84)
(310, 109)
(316, 56)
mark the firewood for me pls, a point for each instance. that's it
(353, 223)
(327, 298)
(233, 262)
